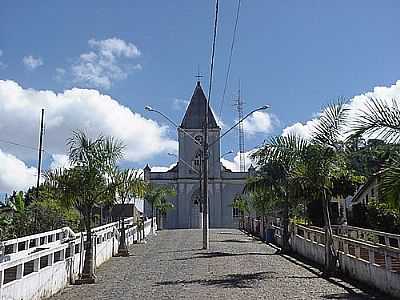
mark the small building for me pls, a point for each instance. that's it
(224, 184)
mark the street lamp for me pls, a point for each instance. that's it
(149, 108)
(206, 146)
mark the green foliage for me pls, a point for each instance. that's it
(157, 197)
(377, 216)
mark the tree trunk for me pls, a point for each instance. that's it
(285, 233)
(330, 254)
(122, 247)
(152, 216)
(88, 263)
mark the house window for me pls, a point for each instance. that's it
(236, 212)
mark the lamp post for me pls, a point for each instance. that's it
(206, 146)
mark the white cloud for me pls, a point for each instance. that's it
(60, 161)
(356, 105)
(15, 174)
(31, 63)
(303, 130)
(259, 122)
(235, 164)
(105, 63)
(76, 109)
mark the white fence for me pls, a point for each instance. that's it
(369, 256)
(38, 266)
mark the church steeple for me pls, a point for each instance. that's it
(194, 116)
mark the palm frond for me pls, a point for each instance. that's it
(379, 120)
(330, 124)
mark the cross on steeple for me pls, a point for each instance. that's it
(198, 76)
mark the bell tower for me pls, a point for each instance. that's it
(190, 152)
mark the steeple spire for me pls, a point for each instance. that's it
(194, 116)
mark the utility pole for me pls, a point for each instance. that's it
(205, 180)
(40, 154)
(239, 107)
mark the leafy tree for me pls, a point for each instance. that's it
(128, 185)
(156, 196)
(241, 204)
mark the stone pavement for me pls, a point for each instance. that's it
(173, 266)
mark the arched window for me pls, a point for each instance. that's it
(196, 163)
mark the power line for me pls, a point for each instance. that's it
(22, 146)
(230, 59)
(213, 51)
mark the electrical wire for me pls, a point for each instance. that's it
(213, 50)
(230, 59)
(21, 145)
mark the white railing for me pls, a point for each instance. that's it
(369, 235)
(38, 266)
(363, 254)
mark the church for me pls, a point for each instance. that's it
(223, 185)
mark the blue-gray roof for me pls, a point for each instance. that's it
(195, 113)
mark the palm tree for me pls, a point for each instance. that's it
(87, 183)
(276, 162)
(128, 185)
(325, 172)
(157, 196)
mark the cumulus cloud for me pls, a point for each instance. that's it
(73, 109)
(104, 64)
(15, 174)
(60, 161)
(259, 122)
(31, 63)
(356, 105)
(303, 130)
(234, 165)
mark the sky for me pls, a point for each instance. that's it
(94, 65)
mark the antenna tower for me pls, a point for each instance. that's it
(238, 103)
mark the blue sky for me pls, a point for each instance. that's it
(294, 55)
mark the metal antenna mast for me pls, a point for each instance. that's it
(238, 103)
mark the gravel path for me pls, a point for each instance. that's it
(173, 266)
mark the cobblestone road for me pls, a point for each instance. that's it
(173, 266)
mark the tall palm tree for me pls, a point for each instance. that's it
(87, 183)
(276, 162)
(326, 173)
(128, 185)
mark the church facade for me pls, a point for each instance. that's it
(223, 185)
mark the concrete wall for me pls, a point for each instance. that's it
(364, 269)
(47, 280)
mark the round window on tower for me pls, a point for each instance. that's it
(199, 138)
